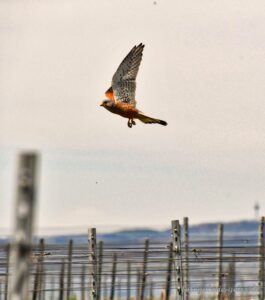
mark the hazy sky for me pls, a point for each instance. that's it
(203, 71)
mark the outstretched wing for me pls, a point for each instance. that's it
(123, 81)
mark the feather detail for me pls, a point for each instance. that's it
(149, 120)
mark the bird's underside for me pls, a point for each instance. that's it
(121, 94)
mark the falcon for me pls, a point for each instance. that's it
(121, 94)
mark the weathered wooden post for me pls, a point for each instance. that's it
(232, 278)
(186, 265)
(92, 260)
(138, 284)
(83, 282)
(176, 235)
(113, 276)
(43, 290)
(220, 258)
(128, 280)
(169, 271)
(41, 270)
(69, 270)
(7, 270)
(143, 279)
(261, 259)
(100, 258)
(61, 292)
(25, 209)
(36, 282)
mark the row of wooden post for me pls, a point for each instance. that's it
(21, 250)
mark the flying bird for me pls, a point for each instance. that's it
(121, 94)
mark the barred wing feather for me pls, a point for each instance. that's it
(123, 81)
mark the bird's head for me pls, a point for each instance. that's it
(107, 104)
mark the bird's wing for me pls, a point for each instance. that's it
(123, 81)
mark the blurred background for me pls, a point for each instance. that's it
(203, 71)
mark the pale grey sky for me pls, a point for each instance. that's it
(203, 71)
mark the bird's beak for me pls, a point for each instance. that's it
(101, 104)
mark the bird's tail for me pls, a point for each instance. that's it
(149, 120)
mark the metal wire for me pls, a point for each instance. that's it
(242, 254)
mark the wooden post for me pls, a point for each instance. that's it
(113, 276)
(43, 290)
(232, 278)
(186, 266)
(169, 271)
(25, 209)
(7, 270)
(220, 265)
(61, 294)
(69, 270)
(143, 281)
(176, 235)
(92, 259)
(128, 280)
(100, 257)
(83, 282)
(36, 282)
(261, 259)
(138, 284)
(41, 270)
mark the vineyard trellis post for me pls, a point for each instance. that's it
(169, 272)
(61, 290)
(82, 279)
(69, 269)
(138, 284)
(186, 265)
(176, 239)
(219, 260)
(261, 260)
(7, 271)
(24, 216)
(100, 258)
(128, 280)
(231, 278)
(143, 279)
(113, 276)
(92, 262)
(40, 282)
(36, 282)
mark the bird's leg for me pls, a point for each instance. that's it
(129, 123)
